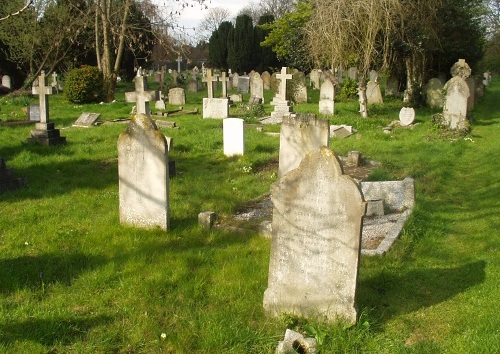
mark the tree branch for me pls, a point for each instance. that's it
(18, 12)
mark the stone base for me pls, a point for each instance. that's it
(46, 134)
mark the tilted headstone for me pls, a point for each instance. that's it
(434, 96)
(314, 78)
(315, 247)
(257, 87)
(373, 94)
(176, 96)
(326, 98)
(406, 116)
(86, 120)
(455, 104)
(300, 133)
(234, 136)
(143, 175)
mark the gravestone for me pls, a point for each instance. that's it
(300, 93)
(406, 116)
(486, 78)
(281, 105)
(86, 120)
(471, 101)
(235, 78)
(143, 175)
(266, 80)
(391, 86)
(373, 75)
(352, 73)
(314, 78)
(315, 247)
(434, 96)
(6, 81)
(141, 96)
(225, 80)
(34, 112)
(373, 94)
(257, 87)
(215, 108)
(176, 96)
(160, 103)
(461, 68)
(300, 133)
(175, 76)
(455, 103)
(192, 86)
(244, 84)
(236, 97)
(234, 136)
(8, 181)
(210, 79)
(45, 132)
(326, 98)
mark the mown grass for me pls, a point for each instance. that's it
(72, 279)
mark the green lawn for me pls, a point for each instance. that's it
(72, 279)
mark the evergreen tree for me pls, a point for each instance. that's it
(241, 45)
(265, 58)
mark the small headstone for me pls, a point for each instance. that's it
(34, 112)
(234, 136)
(176, 96)
(192, 86)
(235, 97)
(143, 175)
(406, 116)
(341, 133)
(6, 81)
(373, 94)
(354, 158)
(244, 84)
(315, 248)
(86, 120)
(326, 96)
(300, 134)
(266, 80)
(215, 108)
(434, 93)
(206, 219)
(373, 75)
(352, 73)
(300, 94)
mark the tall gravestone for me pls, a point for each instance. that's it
(234, 136)
(314, 77)
(317, 219)
(143, 175)
(300, 133)
(326, 98)
(281, 104)
(257, 87)
(266, 80)
(457, 95)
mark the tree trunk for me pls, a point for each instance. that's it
(363, 101)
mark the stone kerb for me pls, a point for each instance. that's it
(315, 248)
(143, 175)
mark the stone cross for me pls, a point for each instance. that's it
(283, 76)
(179, 61)
(209, 79)
(42, 91)
(224, 79)
(54, 79)
(141, 97)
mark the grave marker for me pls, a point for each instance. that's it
(373, 94)
(86, 120)
(225, 80)
(210, 79)
(234, 136)
(406, 116)
(327, 94)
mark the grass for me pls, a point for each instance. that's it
(72, 279)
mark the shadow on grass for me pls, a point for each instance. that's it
(391, 295)
(36, 272)
(50, 332)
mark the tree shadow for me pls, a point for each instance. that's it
(391, 295)
(49, 332)
(36, 272)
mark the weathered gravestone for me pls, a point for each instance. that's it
(317, 219)
(471, 101)
(244, 84)
(326, 96)
(314, 78)
(236, 79)
(234, 136)
(434, 96)
(215, 108)
(45, 132)
(406, 116)
(257, 87)
(391, 86)
(176, 96)
(373, 94)
(6, 81)
(455, 105)
(143, 175)
(86, 120)
(352, 73)
(266, 80)
(300, 133)
(34, 112)
(141, 96)
(192, 86)
(373, 75)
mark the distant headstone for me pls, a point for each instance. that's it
(225, 80)
(352, 73)
(434, 96)
(373, 94)
(266, 80)
(300, 94)
(235, 97)
(234, 136)
(373, 75)
(314, 78)
(235, 78)
(86, 120)
(326, 98)
(317, 219)
(176, 96)
(471, 101)
(143, 175)
(175, 76)
(6, 81)
(215, 108)
(244, 84)
(300, 133)
(257, 87)
(406, 116)
(192, 86)
(282, 107)
(391, 86)
(455, 105)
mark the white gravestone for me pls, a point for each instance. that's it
(326, 96)
(406, 116)
(6, 82)
(315, 248)
(176, 96)
(143, 175)
(257, 87)
(234, 136)
(215, 108)
(210, 79)
(225, 81)
(281, 105)
(373, 94)
(300, 134)
(455, 105)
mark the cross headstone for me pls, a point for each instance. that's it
(316, 241)
(43, 91)
(225, 80)
(142, 98)
(210, 79)
(234, 136)
(179, 61)
(283, 77)
(143, 175)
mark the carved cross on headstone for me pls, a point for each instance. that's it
(209, 79)
(42, 91)
(141, 97)
(179, 61)
(283, 76)
(224, 79)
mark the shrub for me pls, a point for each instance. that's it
(349, 89)
(84, 85)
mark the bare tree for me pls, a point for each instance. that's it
(253, 10)
(15, 13)
(277, 8)
(347, 32)
(212, 20)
